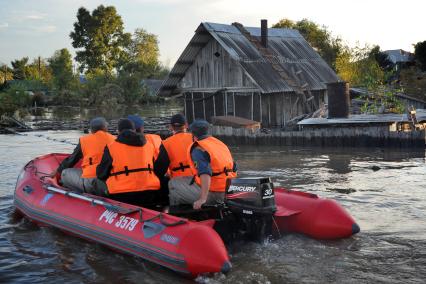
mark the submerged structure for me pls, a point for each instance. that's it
(263, 74)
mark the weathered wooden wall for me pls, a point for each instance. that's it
(356, 136)
(213, 69)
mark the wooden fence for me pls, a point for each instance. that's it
(354, 136)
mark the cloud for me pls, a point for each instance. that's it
(4, 25)
(44, 29)
(35, 17)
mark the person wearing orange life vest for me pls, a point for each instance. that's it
(173, 156)
(140, 127)
(127, 168)
(89, 150)
(211, 163)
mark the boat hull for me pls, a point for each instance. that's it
(189, 248)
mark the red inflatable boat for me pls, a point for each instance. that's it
(183, 245)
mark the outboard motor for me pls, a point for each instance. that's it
(252, 201)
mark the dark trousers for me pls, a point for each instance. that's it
(146, 198)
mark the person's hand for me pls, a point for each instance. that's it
(199, 203)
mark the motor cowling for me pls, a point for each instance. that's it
(251, 196)
(252, 202)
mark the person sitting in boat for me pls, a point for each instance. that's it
(173, 156)
(211, 164)
(140, 127)
(126, 171)
(89, 149)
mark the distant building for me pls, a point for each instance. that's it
(400, 58)
(267, 75)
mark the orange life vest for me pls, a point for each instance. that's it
(93, 146)
(156, 141)
(221, 162)
(177, 149)
(132, 168)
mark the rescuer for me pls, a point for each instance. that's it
(89, 149)
(173, 156)
(152, 138)
(127, 168)
(211, 164)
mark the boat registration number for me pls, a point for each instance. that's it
(122, 222)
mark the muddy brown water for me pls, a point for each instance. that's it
(385, 191)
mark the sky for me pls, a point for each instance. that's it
(38, 28)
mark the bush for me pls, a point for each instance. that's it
(420, 54)
(14, 98)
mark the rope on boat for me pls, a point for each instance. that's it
(115, 208)
(108, 206)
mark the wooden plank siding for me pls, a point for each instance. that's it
(216, 85)
(211, 71)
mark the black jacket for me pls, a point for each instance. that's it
(71, 160)
(162, 163)
(127, 137)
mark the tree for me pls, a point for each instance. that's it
(319, 38)
(20, 68)
(142, 55)
(358, 67)
(381, 58)
(39, 70)
(5, 74)
(61, 65)
(420, 54)
(100, 38)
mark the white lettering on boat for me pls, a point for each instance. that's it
(169, 239)
(109, 216)
(242, 188)
(126, 223)
(123, 222)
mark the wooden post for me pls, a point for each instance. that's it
(226, 103)
(214, 105)
(204, 108)
(184, 105)
(193, 106)
(260, 104)
(269, 109)
(252, 111)
(233, 102)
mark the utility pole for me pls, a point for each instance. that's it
(39, 67)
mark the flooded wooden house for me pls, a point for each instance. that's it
(264, 74)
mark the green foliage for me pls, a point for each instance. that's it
(5, 74)
(39, 70)
(13, 98)
(142, 56)
(131, 85)
(61, 66)
(381, 58)
(319, 38)
(420, 54)
(383, 99)
(358, 67)
(100, 38)
(20, 68)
